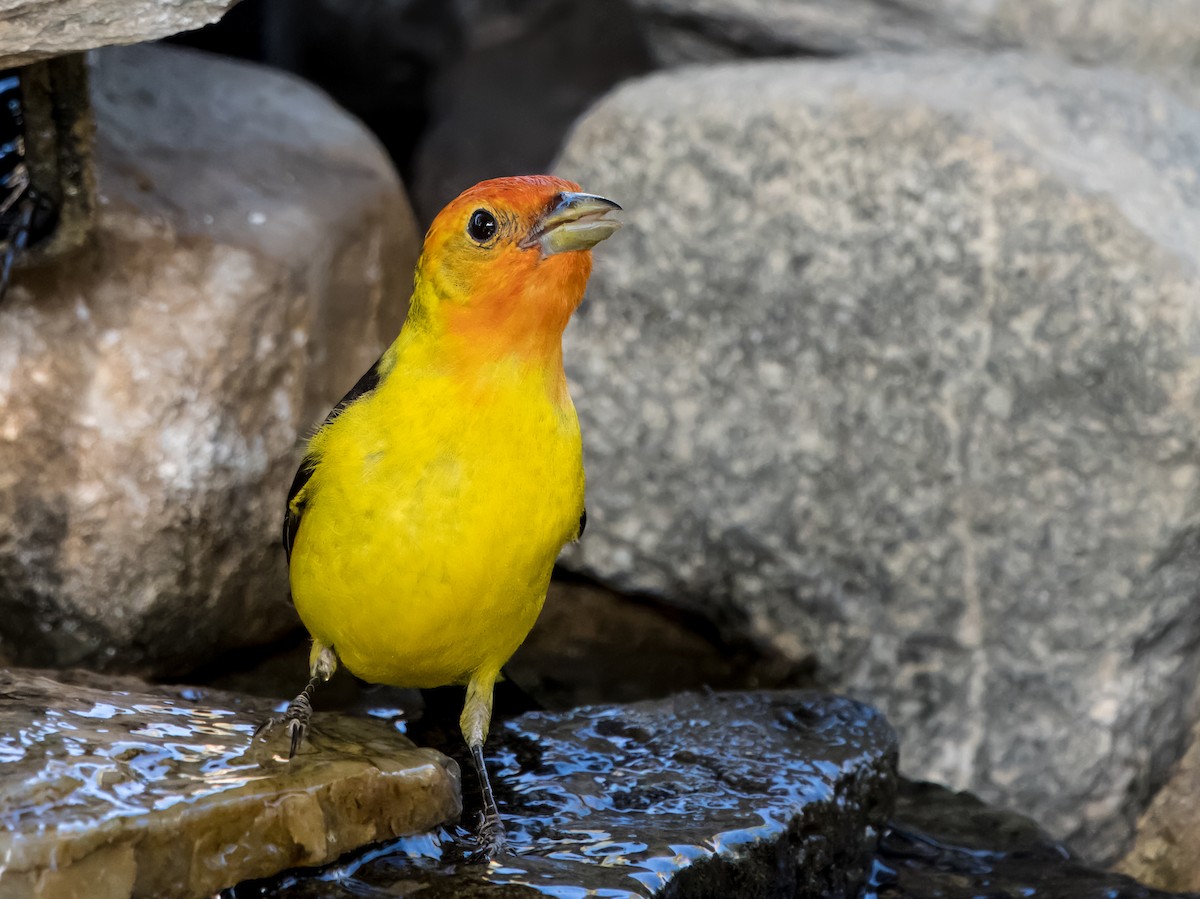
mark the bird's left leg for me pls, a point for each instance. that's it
(476, 716)
(322, 662)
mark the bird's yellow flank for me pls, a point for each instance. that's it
(429, 509)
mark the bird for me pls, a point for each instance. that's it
(425, 519)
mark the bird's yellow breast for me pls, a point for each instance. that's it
(432, 521)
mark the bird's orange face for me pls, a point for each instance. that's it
(506, 263)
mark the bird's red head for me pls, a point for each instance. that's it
(506, 263)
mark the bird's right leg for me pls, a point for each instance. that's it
(322, 662)
(476, 717)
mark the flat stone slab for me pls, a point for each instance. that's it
(36, 29)
(111, 789)
(719, 795)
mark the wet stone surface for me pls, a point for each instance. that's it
(110, 788)
(743, 794)
(953, 846)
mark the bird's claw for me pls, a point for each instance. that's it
(491, 839)
(264, 730)
(297, 728)
(296, 717)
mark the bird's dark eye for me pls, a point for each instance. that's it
(482, 225)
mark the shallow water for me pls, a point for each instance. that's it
(616, 817)
(163, 794)
(939, 845)
(749, 794)
(98, 757)
(629, 801)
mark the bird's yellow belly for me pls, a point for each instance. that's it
(423, 562)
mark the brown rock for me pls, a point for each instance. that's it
(116, 789)
(36, 29)
(252, 255)
(1164, 848)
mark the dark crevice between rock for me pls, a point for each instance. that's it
(740, 40)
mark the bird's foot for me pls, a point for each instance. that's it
(295, 718)
(491, 839)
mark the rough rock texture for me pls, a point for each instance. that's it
(1161, 37)
(113, 789)
(253, 253)
(722, 796)
(1164, 850)
(36, 29)
(896, 367)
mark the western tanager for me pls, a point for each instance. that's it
(425, 519)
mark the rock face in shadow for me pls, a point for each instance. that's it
(953, 846)
(112, 789)
(506, 101)
(1159, 38)
(253, 253)
(726, 795)
(588, 640)
(894, 368)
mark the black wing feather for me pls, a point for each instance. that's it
(292, 516)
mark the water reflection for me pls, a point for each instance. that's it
(618, 802)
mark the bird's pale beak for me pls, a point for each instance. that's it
(575, 222)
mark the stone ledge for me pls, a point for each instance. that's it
(126, 790)
(38, 29)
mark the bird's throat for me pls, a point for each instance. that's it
(483, 352)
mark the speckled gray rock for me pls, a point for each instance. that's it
(1162, 37)
(253, 252)
(36, 29)
(896, 368)
(113, 789)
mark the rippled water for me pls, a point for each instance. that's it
(93, 760)
(940, 845)
(164, 790)
(736, 795)
(624, 802)
(631, 831)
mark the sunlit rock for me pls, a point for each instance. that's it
(1164, 848)
(36, 29)
(253, 253)
(113, 789)
(895, 369)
